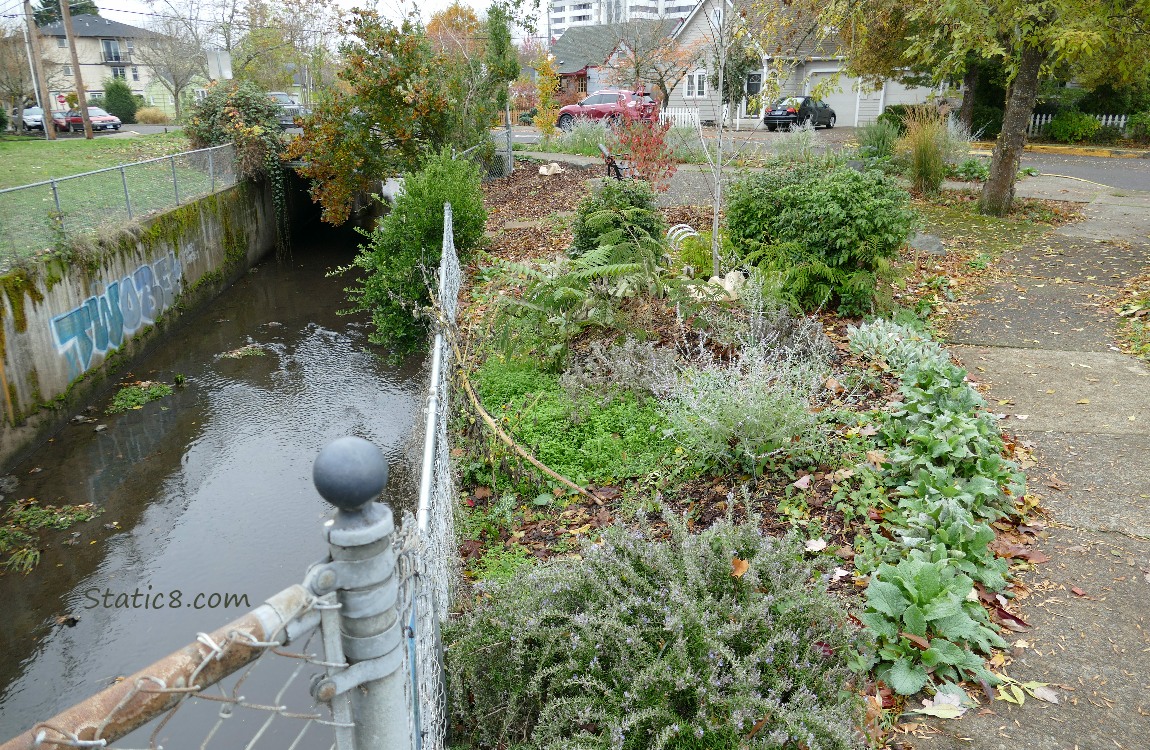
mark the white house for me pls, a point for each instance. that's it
(853, 103)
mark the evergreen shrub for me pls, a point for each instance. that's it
(646, 644)
(119, 100)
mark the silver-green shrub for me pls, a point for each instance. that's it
(646, 644)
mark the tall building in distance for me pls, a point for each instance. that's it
(563, 14)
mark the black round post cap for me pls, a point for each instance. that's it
(350, 472)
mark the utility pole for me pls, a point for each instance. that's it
(82, 98)
(38, 74)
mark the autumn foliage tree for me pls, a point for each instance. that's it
(646, 51)
(647, 150)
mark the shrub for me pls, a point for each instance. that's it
(877, 139)
(645, 644)
(403, 251)
(1107, 135)
(152, 116)
(986, 121)
(737, 415)
(119, 100)
(897, 114)
(647, 149)
(239, 113)
(923, 141)
(616, 204)
(797, 145)
(827, 236)
(583, 137)
(3, 120)
(1070, 126)
(1139, 126)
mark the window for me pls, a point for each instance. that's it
(580, 18)
(581, 6)
(696, 85)
(581, 85)
(118, 72)
(557, 9)
(135, 73)
(67, 70)
(61, 42)
(111, 50)
(717, 17)
(557, 19)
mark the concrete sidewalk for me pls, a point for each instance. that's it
(1042, 338)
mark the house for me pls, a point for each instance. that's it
(814, 63)
(106, 49)
(583, 53)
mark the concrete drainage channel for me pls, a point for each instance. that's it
(206, 495)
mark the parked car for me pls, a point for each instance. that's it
(792, 111)
(72, 121)
(33, 118)
(610, 105)
(289, 108)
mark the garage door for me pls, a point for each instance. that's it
(841, 99)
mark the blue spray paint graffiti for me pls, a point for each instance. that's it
(100, 324)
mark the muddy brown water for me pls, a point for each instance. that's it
(205, 492)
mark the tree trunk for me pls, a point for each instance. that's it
(998, 193)
(969, 87)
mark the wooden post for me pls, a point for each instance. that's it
(38, 71)
(81, 97)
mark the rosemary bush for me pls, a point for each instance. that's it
(644, 645)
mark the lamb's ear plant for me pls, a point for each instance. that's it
(721, 639)
(946, 481)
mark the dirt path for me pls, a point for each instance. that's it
(1042, 338)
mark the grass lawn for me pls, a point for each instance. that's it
(28, 160)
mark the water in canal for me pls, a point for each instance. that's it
(205, 492)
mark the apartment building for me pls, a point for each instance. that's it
(566, 14)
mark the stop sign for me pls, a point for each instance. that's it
(61, 98)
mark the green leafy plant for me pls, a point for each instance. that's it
(134, 396)
(877, 139)
(18, 540)
(616, 204)
(828, 236)
(402, 253)
(971, 170)
(898, 114)
(707, 640)
(925, 626)
(1071, 126)
(1139, 126)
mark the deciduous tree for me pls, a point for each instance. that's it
(646, 52)
(175, 56)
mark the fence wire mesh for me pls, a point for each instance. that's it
(495, 157)
(429, 558)
(45, 214)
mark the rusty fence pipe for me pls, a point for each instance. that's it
(136, 700)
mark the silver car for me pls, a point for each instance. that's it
(33, 118)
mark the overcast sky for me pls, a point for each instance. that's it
(134, 11)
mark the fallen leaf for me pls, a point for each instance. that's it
(875, 458)
(802, 482)
(482, 493)
(941, 711)
(739, 567)
(816, 545)
(868, 430)
(1034, 556)
(1077, 591)
(1044, 693)
(917, 640)
(1082, 401)
(834, 386)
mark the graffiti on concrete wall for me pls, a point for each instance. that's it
(100, 325)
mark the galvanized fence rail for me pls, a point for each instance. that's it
(351, 658)
(44, 214)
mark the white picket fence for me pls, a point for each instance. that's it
(688, 116)
(1038, 122)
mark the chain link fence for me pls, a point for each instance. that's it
(350, 659)
(495, 157)
(45, 214)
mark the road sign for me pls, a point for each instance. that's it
(61, 98)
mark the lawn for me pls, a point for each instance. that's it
(28, 160)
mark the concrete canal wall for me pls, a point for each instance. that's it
(70, 321)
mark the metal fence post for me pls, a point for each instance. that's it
(59, 211)
(175, 182)
(127, 198)
(510, 157)
(212, 168)
(350, 473)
